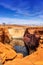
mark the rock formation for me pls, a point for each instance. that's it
(35, 58)
(8, 55)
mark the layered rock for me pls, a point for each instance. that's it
(6, 52)
(35, 58)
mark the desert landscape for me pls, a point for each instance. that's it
(21, 32)
(14, 36)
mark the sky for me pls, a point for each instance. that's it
(21, 12)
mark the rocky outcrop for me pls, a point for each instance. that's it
(35, 58)
(17, 42)
(6, 53)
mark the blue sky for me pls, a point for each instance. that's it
(21, 12)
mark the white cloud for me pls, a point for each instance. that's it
(17, 9)
(23, 7)
(20, 21)
(8, 6)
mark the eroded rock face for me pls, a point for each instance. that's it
(17, 42)
(4, 35)
(6, 52)
(13, 58)
(8, 56)
(35, 58)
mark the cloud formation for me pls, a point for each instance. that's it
(25, 7)
(22, 9)
(20, 21)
